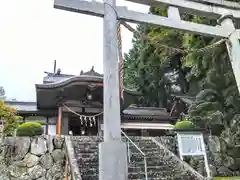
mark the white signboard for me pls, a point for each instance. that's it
(52, 129)
(191, 144)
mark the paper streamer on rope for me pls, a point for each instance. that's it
(85, 119)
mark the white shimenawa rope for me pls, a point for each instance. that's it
(85, 119)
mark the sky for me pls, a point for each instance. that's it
(33, 34)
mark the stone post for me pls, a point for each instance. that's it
(112, 152)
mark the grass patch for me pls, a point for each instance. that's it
(227, 178)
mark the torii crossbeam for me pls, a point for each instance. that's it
(97, 9)
(112, 152)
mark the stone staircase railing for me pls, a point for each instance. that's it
(128, 140)
(161, 164)
(177, 159)
(71, 162)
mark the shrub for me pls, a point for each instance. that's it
(30, 129)
(184, 125)
(10, 119)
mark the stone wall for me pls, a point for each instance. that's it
(40, 158)
(221, 161)
(224, 160)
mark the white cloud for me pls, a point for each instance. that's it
(33, 34)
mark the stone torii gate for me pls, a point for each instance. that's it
(112, 152)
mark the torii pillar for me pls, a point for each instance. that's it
(233, 45)
(112, 152)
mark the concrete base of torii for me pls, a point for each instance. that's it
(113, 160)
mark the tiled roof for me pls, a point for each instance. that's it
(22, 106)
(149, 111)
(92, 72)
(65, 81)
(130, 113)
(53, 80)
(59, 77)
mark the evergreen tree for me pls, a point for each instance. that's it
(156, 72)
(153, 71)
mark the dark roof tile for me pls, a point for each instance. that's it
(130, 113)
(22, 106)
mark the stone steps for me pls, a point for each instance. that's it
(159, 163)
(153, 164)
(132, 168)
(153, 174)
(146, 150)
(86, 151)
(89, 177)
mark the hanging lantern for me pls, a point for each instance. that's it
(89, 96)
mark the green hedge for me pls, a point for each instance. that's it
(184, 125)
(30, 129)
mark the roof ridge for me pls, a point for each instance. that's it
(20, 102)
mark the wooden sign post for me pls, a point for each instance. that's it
(112, 157)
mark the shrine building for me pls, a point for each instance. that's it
(73, 104)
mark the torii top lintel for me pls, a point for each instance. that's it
(97, 9)
(213, 9)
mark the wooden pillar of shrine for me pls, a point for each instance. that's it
(46, 126)
(59, 121)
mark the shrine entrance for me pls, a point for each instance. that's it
(223, 11)
(82, 127)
